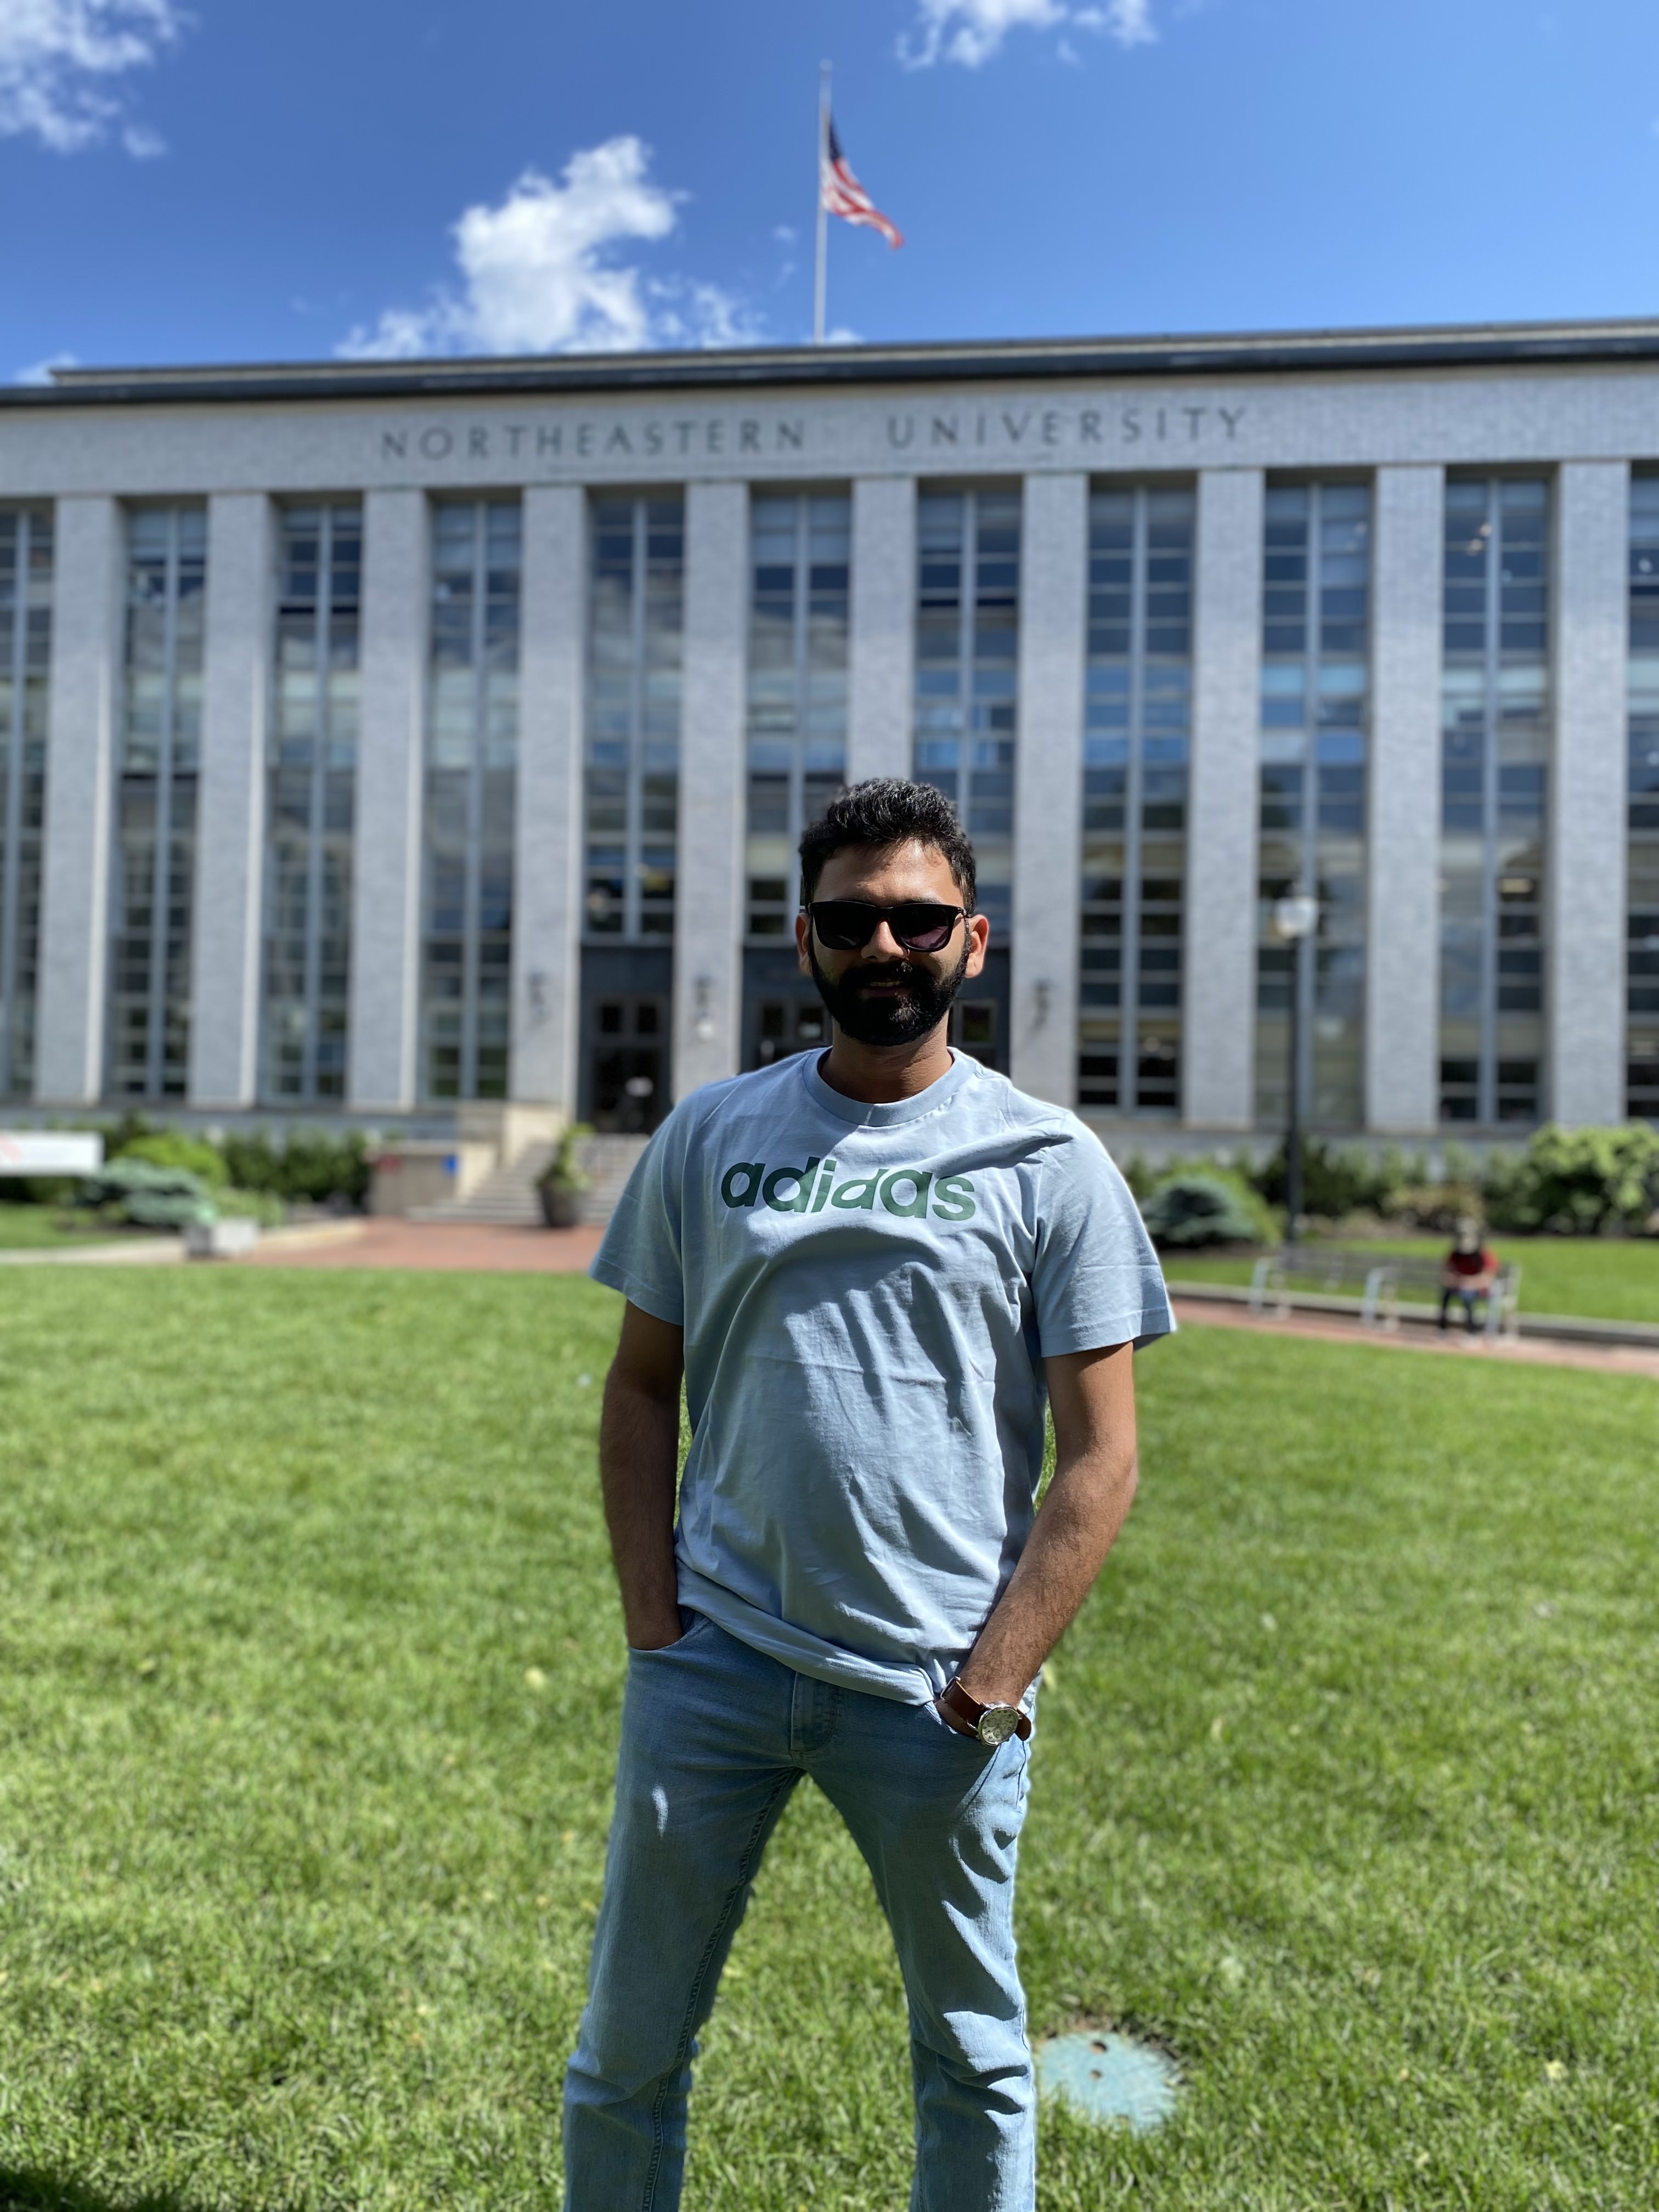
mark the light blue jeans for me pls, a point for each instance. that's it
(714, 1737)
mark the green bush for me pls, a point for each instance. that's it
(140, 1193)
(1196, 1206)
(1334, 1182)
(1577, 1182)
(563, 1172)
(172, 1148)
(1436, 1205)
(312, 1166)
(1139, 1175)
(258, 1206)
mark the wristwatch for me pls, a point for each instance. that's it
(992, 1724)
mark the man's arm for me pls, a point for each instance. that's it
(638, 1459)
(1092, 1397)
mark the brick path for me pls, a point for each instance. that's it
(455, 1246)
(444, 1247)
(1456, 1344)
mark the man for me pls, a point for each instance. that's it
(867, 1264)
(1467, 1274)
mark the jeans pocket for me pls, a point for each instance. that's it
(970, 1744)
(698, 1622)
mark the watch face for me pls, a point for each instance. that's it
(997, 1724)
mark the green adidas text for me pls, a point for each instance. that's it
(809, 1188)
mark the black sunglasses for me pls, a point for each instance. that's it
(848, 924)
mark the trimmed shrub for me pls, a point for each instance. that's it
(1138, 1175)
(1334, 1182)
(1199, 1207)
(1577, 1182)
(1436, 1205)
(138, 1193)
(172, 1148)
(311, 1166)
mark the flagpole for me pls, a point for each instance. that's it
(821, 266)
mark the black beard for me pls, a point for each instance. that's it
(900, 1019)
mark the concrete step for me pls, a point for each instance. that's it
(610, 1160)
(507, 1197)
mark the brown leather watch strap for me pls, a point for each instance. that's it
(956, 1701)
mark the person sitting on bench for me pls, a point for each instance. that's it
(1468, 1272)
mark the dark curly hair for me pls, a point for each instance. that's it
(887, 810)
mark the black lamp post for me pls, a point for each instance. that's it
(1294, 920)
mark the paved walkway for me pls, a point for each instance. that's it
(444, 1247)
(1455, 1344)
(469, 1248)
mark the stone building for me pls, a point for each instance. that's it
(397, 742)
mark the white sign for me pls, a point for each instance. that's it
(49, 1152)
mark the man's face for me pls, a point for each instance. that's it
(882, 994)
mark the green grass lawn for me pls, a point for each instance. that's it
(31, 1228)
(1346, 1786)
(1615, 1278)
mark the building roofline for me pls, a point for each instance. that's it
(1494, 345)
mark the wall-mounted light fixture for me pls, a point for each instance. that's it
(703, 1027)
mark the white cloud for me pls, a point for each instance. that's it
(538, 273)
(971, 32)
(40, 372)
(59, 60)
(1130, 22)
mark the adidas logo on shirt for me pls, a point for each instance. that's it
(911, 1191)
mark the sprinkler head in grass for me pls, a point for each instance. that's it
(1107, 2077)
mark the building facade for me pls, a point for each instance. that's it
(383, 741)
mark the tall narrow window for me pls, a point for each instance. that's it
(471, 756)
(1495, 735)
(1641, 896)
(967, 672)
(1134, 798)
(634, 716)
(1314, 696)
(312, 786)
(155, 828)
(25, 651)
(798, 629)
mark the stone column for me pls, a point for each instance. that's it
(1219, 932)
(82, 745)
(386, 887)
(709, 890)
(883, 643)
(1049, 788)
(226, 939)
(1584, 868)
(547, 857)
(1403, 862)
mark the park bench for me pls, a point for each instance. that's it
(1378, 1279)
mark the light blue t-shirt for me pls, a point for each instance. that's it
(867, 1293)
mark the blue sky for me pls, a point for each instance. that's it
(230, 179)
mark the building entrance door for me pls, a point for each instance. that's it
(628, 1063)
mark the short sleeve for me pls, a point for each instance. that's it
(640, 1253)
(1095, 1280)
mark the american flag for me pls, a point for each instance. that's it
(841, 192)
